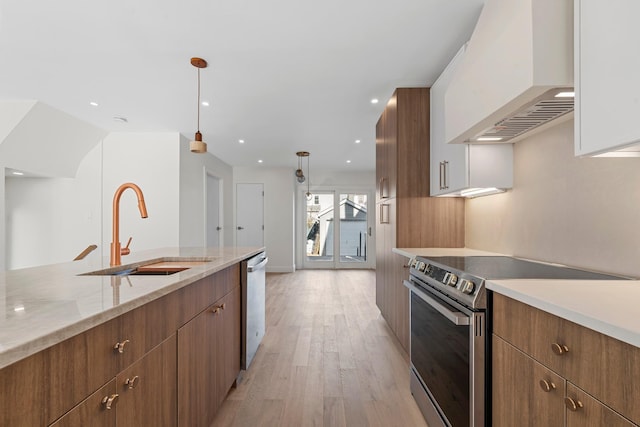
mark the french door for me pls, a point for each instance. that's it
(336, 230)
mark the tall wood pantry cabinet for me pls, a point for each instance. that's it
(406, 216)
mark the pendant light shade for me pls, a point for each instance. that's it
(197, 145)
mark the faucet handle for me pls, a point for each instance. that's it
(126, 250)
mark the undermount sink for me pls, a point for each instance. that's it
(156, 267)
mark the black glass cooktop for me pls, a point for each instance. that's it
(501, 267)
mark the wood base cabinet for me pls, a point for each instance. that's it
(143, 394)
(548, 371)
(208, 360)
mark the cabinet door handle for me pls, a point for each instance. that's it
(132, 382)
(384, 207)
(440, 170)
(109, 401)
(547, 386)
(572, 405)
(383, 194)
(445, 180)
(119, 346)
(559, 349)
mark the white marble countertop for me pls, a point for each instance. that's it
(42, 306)
(426, 252)
(606, 306)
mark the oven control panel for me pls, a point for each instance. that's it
(459, 285)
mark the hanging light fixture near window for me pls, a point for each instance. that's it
(300, 173)
(198, 146)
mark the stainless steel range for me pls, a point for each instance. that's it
(449, 345)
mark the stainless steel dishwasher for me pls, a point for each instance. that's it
(253, 306)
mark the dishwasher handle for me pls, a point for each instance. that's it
(261, 264)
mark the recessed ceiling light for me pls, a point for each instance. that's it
(565, 95)
(260, 161)
(374, 101)
(205, 103)
(348, 161)
(120, 119)
(93, 104)
(357, 141)
(241, 141)
(18, 173)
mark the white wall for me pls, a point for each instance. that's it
(193, 168)
(279, 217)
(576, 211)
(152, 161)
(51, 220)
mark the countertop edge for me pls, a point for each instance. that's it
(22, 351)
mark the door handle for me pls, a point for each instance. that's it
(240, 228)
(218, 228)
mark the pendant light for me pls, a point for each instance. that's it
(300, 173)
(198, 146)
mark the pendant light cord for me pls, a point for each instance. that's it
(198, 99)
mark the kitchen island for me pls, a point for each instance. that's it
(77, 344)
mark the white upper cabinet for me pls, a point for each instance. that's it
(607, 67)
(460, 168)
(520, 51)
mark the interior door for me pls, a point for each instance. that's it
(214, 212)
(250, 215)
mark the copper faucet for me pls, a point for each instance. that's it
(116, 250)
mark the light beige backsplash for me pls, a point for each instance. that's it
(582, 212)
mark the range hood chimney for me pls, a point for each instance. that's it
(516, 74)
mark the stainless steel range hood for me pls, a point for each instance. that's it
(519, 58)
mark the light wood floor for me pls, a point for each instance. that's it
(328, 358)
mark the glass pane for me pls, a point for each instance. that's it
(320, 227)
(353, 227)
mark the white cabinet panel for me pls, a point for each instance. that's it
(457, 167)
(606, 72)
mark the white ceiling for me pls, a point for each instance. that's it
(284, 75)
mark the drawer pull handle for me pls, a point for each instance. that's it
(132, 382)
(109, 401)
(559, 349)
(217, 309)
(572, 405)
(547, 386)
(119, 346)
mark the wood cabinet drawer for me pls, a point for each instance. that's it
(589, 412)
(201, 294)
(80, 365)
(602, 366)
(524, 391)
(92, 411)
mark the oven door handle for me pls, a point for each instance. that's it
(456, 317)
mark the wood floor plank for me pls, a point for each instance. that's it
(328, 358)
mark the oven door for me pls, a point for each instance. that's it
(447, 359)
